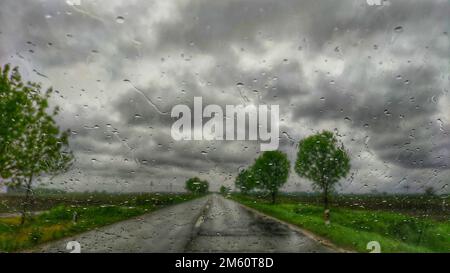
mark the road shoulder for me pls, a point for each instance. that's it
(321, 240)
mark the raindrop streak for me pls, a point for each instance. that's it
(441, 124)
(289, 137)
(147, 98)
(91, 127)
(40, 74)
(244, 97)
(398, 29)
(120, 19)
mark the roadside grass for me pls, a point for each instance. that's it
(432, 206)
(58, 222)
(353, 228)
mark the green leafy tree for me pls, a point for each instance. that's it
(197, 186)
(38, 147)
(245, 181)
(429, 191)
(271, 171)
(224, 190)
(324, 161)
(14, 104)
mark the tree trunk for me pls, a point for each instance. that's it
(326, 213)
(273, 197)
(26, 200)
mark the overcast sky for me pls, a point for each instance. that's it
(377, 75)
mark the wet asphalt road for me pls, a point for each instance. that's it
(207, 224)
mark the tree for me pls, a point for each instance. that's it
(224, 190)
(38, 147)
(245, 181)
(197, 186)
(14, 101)
(429, 191)
(323, 160)
(271, 171)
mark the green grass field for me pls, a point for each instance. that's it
(92, 210)
(433, 206)
(353, 228)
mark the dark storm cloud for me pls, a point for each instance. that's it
(376, 75)
(391, 119)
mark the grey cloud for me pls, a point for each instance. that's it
(328, 64)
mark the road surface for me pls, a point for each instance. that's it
(207, 224)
